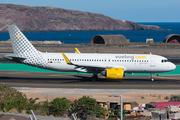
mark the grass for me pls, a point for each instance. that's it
(26, 68)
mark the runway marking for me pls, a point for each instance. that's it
(17, 72)
(54, 81)
(56, 75)
(169, 78)
(38, 81)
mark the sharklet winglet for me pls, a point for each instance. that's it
(77, 51)
(66, 59)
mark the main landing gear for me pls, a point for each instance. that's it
(152, 79)
(94, 77)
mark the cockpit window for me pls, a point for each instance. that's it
(163, 61)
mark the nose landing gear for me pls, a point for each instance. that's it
(152, 79)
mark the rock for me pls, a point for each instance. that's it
(23, 112)
(12, 118)
(13, 111)
(56, 19)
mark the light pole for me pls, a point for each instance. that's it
(121, 109)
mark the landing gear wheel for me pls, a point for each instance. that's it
(94, 78)
(152, 79)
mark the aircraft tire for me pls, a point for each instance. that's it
(94, 78)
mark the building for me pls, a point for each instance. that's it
(109, 39)
(172, 38)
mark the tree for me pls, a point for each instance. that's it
(87, 106)
(175, 98)
(11, 98)
(59, 106)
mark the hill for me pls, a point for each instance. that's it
(57, 19)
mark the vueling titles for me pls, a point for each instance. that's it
(130, 57)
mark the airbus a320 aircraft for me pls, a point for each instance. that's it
(112, 66)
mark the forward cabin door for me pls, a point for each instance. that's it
(152, 61)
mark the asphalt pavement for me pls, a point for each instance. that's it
(56, 80)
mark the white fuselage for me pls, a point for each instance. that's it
(135, 63)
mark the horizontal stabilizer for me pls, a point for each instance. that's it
(14, 58)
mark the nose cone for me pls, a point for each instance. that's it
(173, 66)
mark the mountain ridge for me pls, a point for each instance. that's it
(57, 19)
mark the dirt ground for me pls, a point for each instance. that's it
(139, 96)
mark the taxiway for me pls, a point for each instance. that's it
(56, 80)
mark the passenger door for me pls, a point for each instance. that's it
(152, 61)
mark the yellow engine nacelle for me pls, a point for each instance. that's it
(113, 73)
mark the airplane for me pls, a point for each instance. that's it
(112, 66)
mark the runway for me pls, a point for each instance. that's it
(56, 80)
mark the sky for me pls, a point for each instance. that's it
(131, 10)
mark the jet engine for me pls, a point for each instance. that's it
(113, 73)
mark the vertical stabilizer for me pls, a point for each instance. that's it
(23, 50)
(20, 43)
